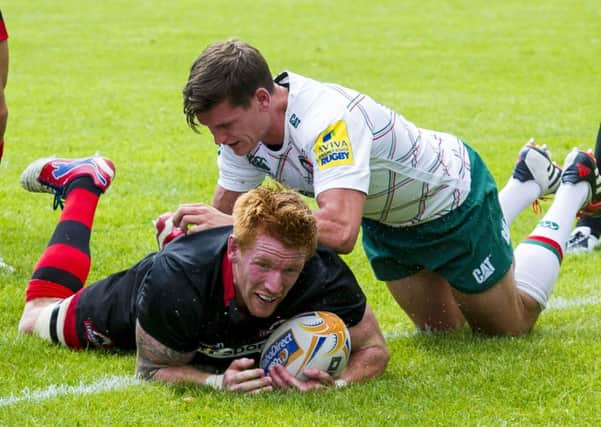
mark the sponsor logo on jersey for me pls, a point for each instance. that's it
(485, 270)
(218, 351)
(333, 147)
(294, 120)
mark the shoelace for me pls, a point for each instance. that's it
(536, 206)
(577, 238)
(58, 200)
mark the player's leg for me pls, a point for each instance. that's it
(586, 235)
(64, 265)
(511, 307)
(428, 300)
(397, 258)
(500, 310)
(539, 256)
(534, 175)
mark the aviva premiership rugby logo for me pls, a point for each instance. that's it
(332, 147)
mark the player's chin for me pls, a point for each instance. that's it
(242, 148)
(239, 148)
(262, 308)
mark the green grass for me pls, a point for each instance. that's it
(107, 76)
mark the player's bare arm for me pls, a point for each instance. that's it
(369, 353)
(157, 362)
(224, 199)
(369, 357)
(339, 218)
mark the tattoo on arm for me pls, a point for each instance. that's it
(152, 356)
(146, 373)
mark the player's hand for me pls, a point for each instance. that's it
(284, 380)
(240, 376)
(195, 217)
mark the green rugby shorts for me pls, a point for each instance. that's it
(470, 246)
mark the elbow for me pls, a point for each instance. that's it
(344, 249)
(147, 373)
(342, 239)
(346, 243)
(380, 361)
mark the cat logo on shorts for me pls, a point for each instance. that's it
(485, 270)
(333, 147)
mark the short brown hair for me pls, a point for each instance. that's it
(231, 70)
(279, 212)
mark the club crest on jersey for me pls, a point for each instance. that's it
(95, 337)
(308, 167)
(258, 162)
(333, 147)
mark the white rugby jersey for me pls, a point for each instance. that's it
(336, 137)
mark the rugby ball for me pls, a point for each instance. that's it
(317, 339)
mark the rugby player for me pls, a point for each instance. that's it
(434, 227)
(200, 309)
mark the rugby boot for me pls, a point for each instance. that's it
(53, 175)
(581, 166)
(582, 240)
(534, 164)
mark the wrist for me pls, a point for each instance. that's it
(339, 383)
(214, 381)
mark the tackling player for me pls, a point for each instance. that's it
(200, 309)
(434, 228)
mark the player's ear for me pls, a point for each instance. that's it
(263, 98)
(233, 250)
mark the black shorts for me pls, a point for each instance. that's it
(105, 312)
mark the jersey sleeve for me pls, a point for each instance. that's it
(236, 173)
(167, 305)
(341, 153)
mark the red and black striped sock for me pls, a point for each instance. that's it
(64, 265)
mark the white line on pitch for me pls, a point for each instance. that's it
(105, 384)
(560, 303)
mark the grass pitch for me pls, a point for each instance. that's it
(87, 76)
